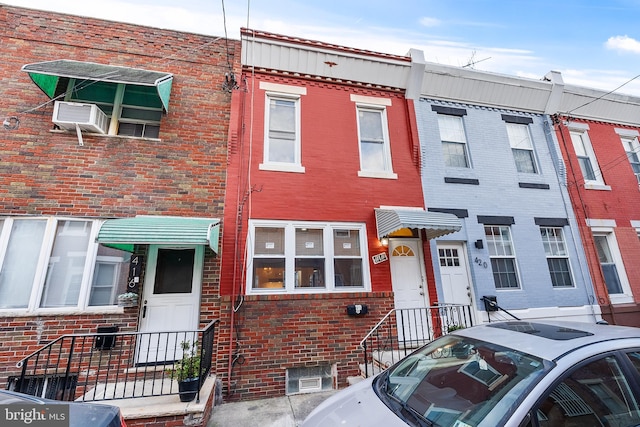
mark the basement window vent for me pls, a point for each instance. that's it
(310, 380)
(309, 385)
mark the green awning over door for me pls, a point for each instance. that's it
(124, 233)
(47, 75)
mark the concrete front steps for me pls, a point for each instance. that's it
(168, 410)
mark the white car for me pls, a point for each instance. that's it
(521, 374)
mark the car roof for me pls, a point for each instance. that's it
(548, 339)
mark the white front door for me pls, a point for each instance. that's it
(409, 289)
(454, 273)
(170, 302)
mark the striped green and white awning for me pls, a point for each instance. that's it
(124, 233)
(435, 224)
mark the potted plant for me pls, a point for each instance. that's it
(454, 327)
(129, 299)
(186, 371)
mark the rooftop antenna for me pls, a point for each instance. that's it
(472, 61)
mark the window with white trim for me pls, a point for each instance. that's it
(611, 264)
(454, 141)
(522, 147)
(555, 250)
(282, 142)
(502, 255)
(375, 153)
(307, 257)
(632, 148)
(586, 156)
(282, 139)
(54, 263)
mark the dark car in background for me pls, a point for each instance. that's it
(36, 411)
(515, 374)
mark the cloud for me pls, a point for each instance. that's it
(427, 21)
(623, 44)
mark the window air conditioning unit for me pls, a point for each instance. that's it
(88, 117)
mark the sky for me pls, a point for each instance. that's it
(593, 43)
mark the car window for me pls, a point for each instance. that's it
(459, 381)
(634, 356)
(595, 394)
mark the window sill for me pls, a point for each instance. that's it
(280, 167)
(380, 175)
(74, 311)
(596, 186)
(620, 299)
(309, 291)
(103, 135)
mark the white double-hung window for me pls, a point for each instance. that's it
(557, 255)
(502, 255)
(585, 154)
(55, 264)
(454, 141)
(282, 139)
(611, 263)
(373, 137)
(307, 257)
(631, 146)
(522, 147)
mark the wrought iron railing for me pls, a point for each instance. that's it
(401, 331)
(112, 365)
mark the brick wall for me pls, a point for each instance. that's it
(47, 172)
(274, 333)
(23, 335)
(277, 332)
(621, 203)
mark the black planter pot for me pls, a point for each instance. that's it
(188, 389)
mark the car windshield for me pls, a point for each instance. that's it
(459, 381)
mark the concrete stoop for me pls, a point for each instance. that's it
(167, 410)
(355, 380)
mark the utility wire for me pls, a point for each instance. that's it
(602, 96)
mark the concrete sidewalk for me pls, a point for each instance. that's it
(285, 411)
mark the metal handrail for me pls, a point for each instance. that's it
(401, 331)
(110, 365)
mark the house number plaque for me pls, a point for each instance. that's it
(135, 268)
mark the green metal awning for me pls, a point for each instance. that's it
(435, 224)
(124, 233)
(47, 75)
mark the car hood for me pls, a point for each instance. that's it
(355, 406)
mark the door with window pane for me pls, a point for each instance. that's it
(171, 302)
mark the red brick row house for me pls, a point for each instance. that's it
(324, 163)
(113, 156)
(598, 135)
